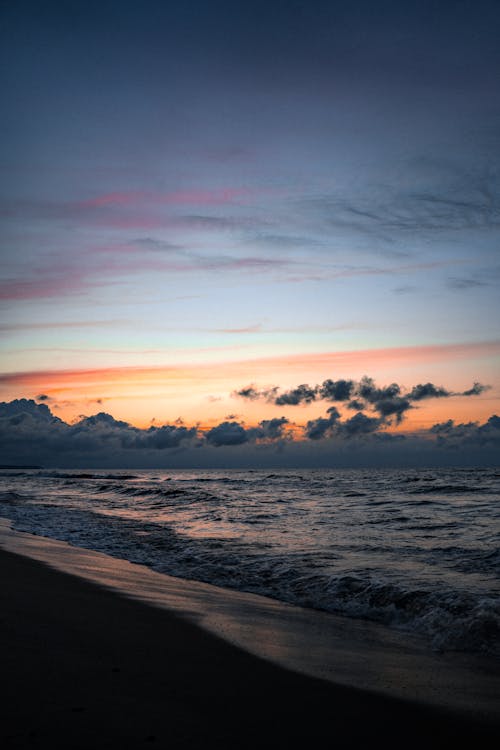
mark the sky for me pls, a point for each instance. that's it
(205, 205)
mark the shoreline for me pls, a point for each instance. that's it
(344, 654)
(85, 667)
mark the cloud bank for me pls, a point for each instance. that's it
(31, 434)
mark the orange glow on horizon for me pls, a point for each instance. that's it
(202, 394)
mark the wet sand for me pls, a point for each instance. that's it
(83, 666)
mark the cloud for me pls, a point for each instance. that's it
(360, 424)
(251, 393)
(31, 434)
(256, 328)
(101, 266)
(455, 199)
(339, 390)
(356, 404)
(405, 289)
(46, 284)
(166, 437)
(234, 433)
(269, 429)
(8, 327)
(23, 408)
(476, 390)
(302, 394)
(282, 241)
(429, 390)
(28, 426)
(193, 197)
(155, 245)
(317, 429)
(227, 433)
(455, 436)
(391, 402)
(371, 393)
(143, 209)
(328, 427)
(463, 283)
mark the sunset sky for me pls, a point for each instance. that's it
(202, 197)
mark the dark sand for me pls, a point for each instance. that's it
(84, 667)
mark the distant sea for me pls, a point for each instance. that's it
(417, 550)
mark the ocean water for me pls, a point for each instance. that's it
(418, 550)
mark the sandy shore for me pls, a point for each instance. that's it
(85, 667)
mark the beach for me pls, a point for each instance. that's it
(85, 666)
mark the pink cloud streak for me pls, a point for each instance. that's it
(407, 354)
(194, 197)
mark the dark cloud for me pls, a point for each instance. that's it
(370, 392)
(43, 397)
(29, 433)
(493, 423)
(469, 434)
(360, 424)
(270, 429)
(227, 433)
(387, 401)
(166, 437)
(393, 407)
(302, 394)
(476, 390)
(391, 402)
(428, 390)
(332, 426)
(317, 429)
(27, 427)
(339, 390)
(234, 433)
(23, 408)
(253, 394)
(100, 420)
(250, 392)
(356, 404)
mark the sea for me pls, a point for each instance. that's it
(416, 550)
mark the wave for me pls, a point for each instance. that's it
(15, 474)
(11, 497)
(449, 619)
(445, 489)
(161, 493)
(67, 475)
(382, 554)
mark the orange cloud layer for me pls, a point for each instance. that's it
(203, 392)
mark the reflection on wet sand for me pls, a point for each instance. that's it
(345, 651)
